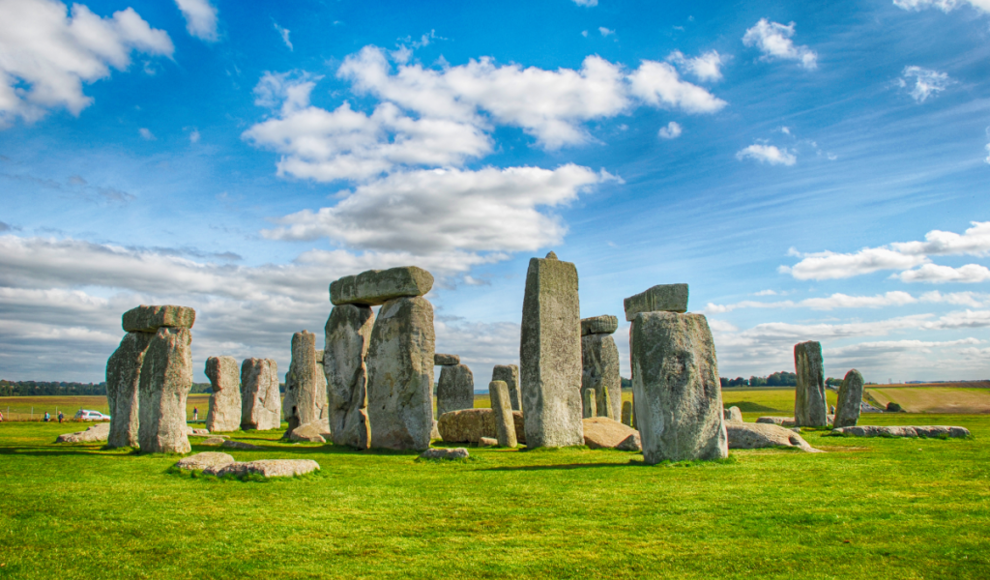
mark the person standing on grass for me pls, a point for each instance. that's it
(195, 414)
(60, 416)
(48, 416)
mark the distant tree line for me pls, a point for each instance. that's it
(52, 389)
(778, 379)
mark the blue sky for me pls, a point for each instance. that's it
(813, 174)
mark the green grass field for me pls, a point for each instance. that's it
(878, 508)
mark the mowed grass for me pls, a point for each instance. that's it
(877, 508)
(935, 399)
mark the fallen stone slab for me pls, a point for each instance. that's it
(781, 421)
(266, 468)
(660, 298)
(631, 443)
(733, 414)
(213, 442)
(201, 461)
(376, 287)
(98, 432)
(239, 445)
(446, 359)
(605, 433)
(760, 435)
(455, 453)
(604, 324)
(199, 432)
(310, 432)
(470, 425)
(487, 442)
(927, 431)
(151, 318)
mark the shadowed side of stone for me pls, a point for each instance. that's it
(505, 427)
(348, 333)
(225, 401)
(509, 374)
(455, 389)
(660, 298)
(605, 433)
(123, 395)
(151, 318)
(470, 425)
(600, 373)
(305, 384)
(376, 287)
(733, 414)
(810, 409)
(261, 402)
(166, 379)
(848, 406)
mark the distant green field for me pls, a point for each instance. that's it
(872, 508)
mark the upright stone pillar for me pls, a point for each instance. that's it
(455, 389)
(509, 374)
(348, 332)
(600, 360)
(678, 397)
(627, 413)
(550, 355)
(305, 384)
(850, 399)
(588, 407)
(505, 424)
(810, 409)
(261, 401)
(225, 402)
(166, 379)
(123, 377)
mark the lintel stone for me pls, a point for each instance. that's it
(151, 318)
(660, 298)
(604, 324)
(446, 359)
(375, 287)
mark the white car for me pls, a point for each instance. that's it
(87, 415)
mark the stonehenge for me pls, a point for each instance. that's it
(455, 389)
(348, 332)
(261, 401)
(550, 354)
(588, 406)
(509, 374)
(166, 378)
(225, 401)
(505, 426)
(850, 397)
(123, 376)
(676, 389)
(305, 384)
(810, 409)
(600, 362)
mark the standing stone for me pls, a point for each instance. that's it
(225, 402)
(166, 379)
(322, 422)
(550, 355)
(627, 413)
(510, 375)
(505, 426)
(455, 389)
(600, 361)
(261, 402)
(348, 331)
(123, 377)
(676, 384)
(305, 384)
(660, 298)
(810, 409)
(850, 397)
(400, 375)
(588, 407)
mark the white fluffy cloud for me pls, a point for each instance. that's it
(671, 131)
(839, 300)
(903, 256)
(943, 5)
(284, 33)
(46, 54)
(706, 67)
(430, 211)
(201, 18)
(768, 154)
(773, 39)
(922, 83)
(658, 84)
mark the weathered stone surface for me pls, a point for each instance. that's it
(310, 432)
(588, 404)
(455, 389)
(213, 442)
(810, 409)
(446, 359)
(201, 461)
(733, 414)
(660, 298)
(239, 445)
(602, 432)
(760, 435)
(166, 378)
(600, 362)
(929, 431)
(225, 402)
(678, 396)
(348, 333)
(123, 396)
(441, 453)
(505, 425)
(631, 443)
(400, 375)
(261, 402)
(266, 468)
(151, 318)
(305, 384)
(435, 432)
(550, 355)
(627, 413)
(200, 432)
(379, 286)
(850, 397)
(509, 374)
(470, 425)
(782, 421)
(604, 324)
(98, 432)
(487, 442)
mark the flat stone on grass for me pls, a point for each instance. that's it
(441, 453)
(266, 468)
(201, 461)
(98, 432)
(239, 445)
(928, 431)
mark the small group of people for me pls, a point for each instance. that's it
(48, 417)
